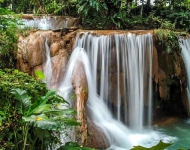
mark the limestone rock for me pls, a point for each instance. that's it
(96, 138)
(31, 51)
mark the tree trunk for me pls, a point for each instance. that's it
(129, 5)
(148, 3)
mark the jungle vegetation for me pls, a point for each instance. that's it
(112, 14)
(29, 114)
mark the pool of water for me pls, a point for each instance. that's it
(177, 132)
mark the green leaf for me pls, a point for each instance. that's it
(38, 104)
(160, 146)
(43, 122)
(48, 124)
(23, 98)
(70, 122)
(2, 113)
(39, 75)
(2, 117)
(43, 108)
(68, 148)
(74, 146)
(59, 112)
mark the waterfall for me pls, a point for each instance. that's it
(48, 72)
(46, 22)
(185, 46)
(126, 59)
(118, 70)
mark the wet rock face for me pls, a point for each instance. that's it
(79, 83)
(95, 137)
(87, 133)
(169, 83)
(31, 51)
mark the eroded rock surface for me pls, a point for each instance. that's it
(32, 50)
(169, 76)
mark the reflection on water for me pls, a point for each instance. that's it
(180, 131)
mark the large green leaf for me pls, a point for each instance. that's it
(48, 124)
(39, 75)
(74, 146)
(35, 107)
(160, 146)
(60, 112)
(48, 95)
(23, 98)
(70, 122)
(43, 108)
(43, 122)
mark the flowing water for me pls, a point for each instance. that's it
(118, 71)
(121, 69)
(46, 22)
(48, 72)
(185, 46)
(178, 132)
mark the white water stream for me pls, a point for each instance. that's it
(46, 22)
(185, 46)
(48, 72)
(122, 110)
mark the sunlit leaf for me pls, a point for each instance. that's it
(43, 108)
(39, 75)
(160, 146)
(74, 146)
(23, 97)
(43, 122)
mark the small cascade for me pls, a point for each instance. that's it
(66, 23)
(47, 22)
(118, 71)
(185, 46)
(48, 71)
(43, 23)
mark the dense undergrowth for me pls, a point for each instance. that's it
(31, 116)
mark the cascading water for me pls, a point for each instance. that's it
(185, 46)
(46, 22)
(48, 72)
(118, 70)
(128, 58)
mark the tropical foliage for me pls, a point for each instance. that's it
(112, 14)
(31, 118)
